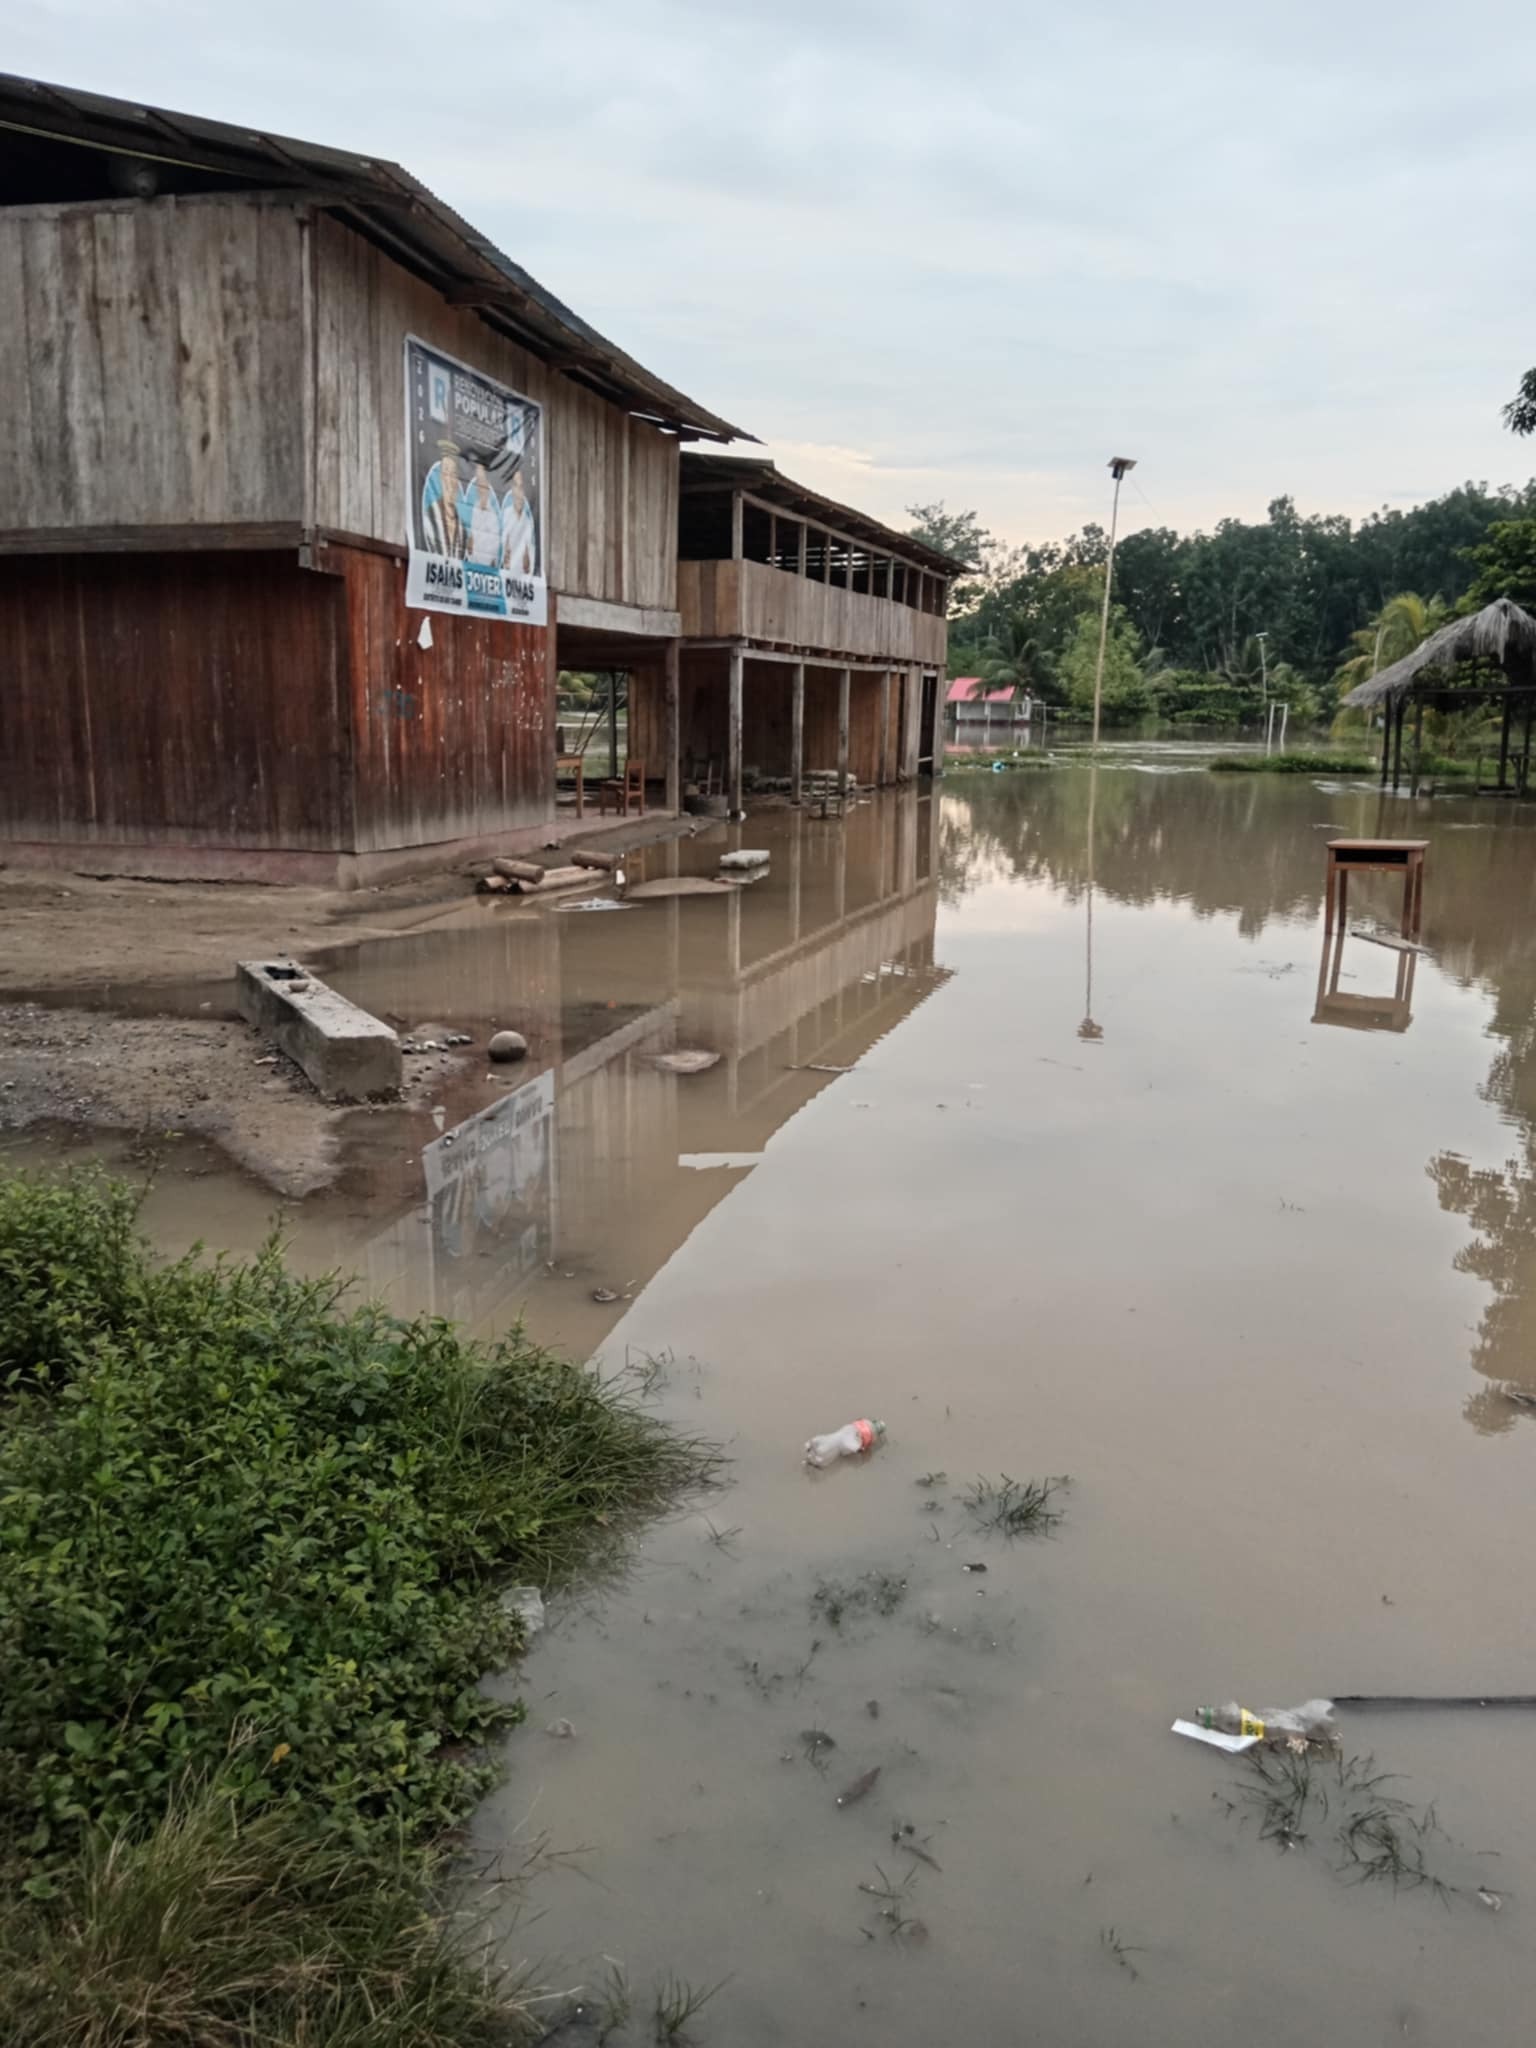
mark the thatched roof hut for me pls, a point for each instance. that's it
(1501, 632)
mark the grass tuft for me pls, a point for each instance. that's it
(1016, 1507)
(211, 1931)
(1378, 1837)
(677, 2003)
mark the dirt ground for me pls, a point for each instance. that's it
(116, 971)
(166, 1078)
(71, 931)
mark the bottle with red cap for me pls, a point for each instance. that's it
(847, 1442)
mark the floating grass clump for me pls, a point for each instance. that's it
(1290, 764)
(1376, 1836)
(1016, 1507)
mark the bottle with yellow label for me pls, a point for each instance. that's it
(1312, 1722)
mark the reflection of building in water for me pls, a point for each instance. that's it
(1359, 1011)
(592, 1173)
(492, 1178)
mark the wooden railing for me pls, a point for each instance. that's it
(733, 600)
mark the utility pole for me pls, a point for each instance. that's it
(1119, 464)
(1263, 669)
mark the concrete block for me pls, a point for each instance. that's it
(343, 1050)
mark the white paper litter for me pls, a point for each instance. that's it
(1234, 1745)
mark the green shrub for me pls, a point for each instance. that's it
(255, 1518)
(71, 1266)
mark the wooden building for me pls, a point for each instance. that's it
(814, 641)
(213, 501)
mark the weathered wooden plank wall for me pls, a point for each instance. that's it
(455, 740)
(725, 599)
(179, 699)
(155, 364)
(611, 482)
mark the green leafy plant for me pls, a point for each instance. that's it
(254, 1536)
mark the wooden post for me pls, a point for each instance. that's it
(844, 687)
(804, 534)
(736, 523)
(613, 721)
(885, 774)
(1397, 744)
(1504, 740)
(1418, 744)
(1386, 744)
(671, 723)
(1524, 775)
(733, 749)
(796, 728)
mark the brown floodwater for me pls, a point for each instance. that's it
(1129, 1181)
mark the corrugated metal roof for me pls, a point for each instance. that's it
(396, 210)
(968, 690)
(760, 475)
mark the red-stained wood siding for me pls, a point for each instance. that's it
(452, 740)
(186, 699)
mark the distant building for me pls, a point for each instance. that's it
(976, 716)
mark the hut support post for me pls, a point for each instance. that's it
(1504, 742)
(1386, 744)
(844, 689)
(1525, 747)
(796, 730)
(733, 753)
(670, 691)
(1397, 744)
(613, 721)
(1418, 744)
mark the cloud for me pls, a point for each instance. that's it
(959, 255)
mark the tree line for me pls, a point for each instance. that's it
(1204, 625)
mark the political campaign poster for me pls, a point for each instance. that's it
(475, 492)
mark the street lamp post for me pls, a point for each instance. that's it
(1118, 466)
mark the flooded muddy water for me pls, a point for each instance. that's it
(1129, 1181)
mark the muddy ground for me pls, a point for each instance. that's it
(121, 1010)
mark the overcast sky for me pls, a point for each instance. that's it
(926, 250)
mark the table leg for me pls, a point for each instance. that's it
(1343, 899)
(580, 790)
(1333, 873)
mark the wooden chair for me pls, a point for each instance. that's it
(619, 789)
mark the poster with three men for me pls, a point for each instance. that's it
(474, 492)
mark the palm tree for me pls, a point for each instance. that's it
(1396, 630)
(1010, 660)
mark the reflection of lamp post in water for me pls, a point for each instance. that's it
(1088, 1030)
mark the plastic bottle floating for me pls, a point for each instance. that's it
(847, 1442)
